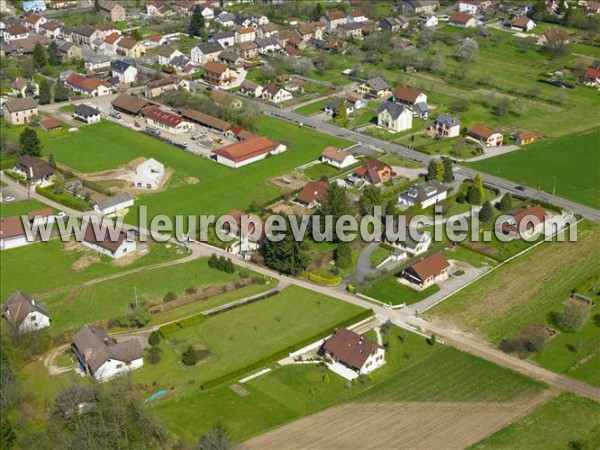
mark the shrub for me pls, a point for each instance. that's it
(573, 317)
(191, 290)
(169, 297)
(154, 338)
(189, 357)
(244, 274)
(154, 355)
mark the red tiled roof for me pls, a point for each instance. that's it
(592, 73)
(460, 17)
(103, 241)
(85, 83)
(216, 67)
(41, 213)
(112, 38)
(313, 191)
(16, 30)
(527, 213)
(481, 131)
(430, 266)
(407, 94)
(11, 227)
(335, 154)
(50, 123)
(350, 348)
(164, 117)
(247, 149)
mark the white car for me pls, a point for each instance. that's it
(60, 214)
(9, 199)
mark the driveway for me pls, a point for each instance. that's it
(363, 265)
(19, 194)
(495, 151)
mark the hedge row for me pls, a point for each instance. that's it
(14, 176)
(166, 330)
(64, 199)
(286, 351)
(322, 280)
(96, 187)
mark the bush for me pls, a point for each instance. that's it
(244, 274)
(67, 200)
(573, 317)
(154, 338)
(154, 355)
(351, 288)
(322, 280)
(191, 290)
(169, 297)
(189, 357)
(343, 255)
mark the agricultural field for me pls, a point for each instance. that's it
(288, 393)
(575, 169)
(20, 268)
(528, 290)
(198, 186)
(567, 421)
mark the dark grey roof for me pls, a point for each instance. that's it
(421, 107)
(210, 47)
(84, 110)
(120, 66)
(180, 61)
(226, 17)
(84, 30)
(19, 305)
(265, 42)
(351, 26)
(20, 104)
(448, 120)
(377, 84)
(97, 59)
(115, 200)
(394, 109)
(95, 346)
(388, 22)
(419, 192)
(222, 35)
(229, 56)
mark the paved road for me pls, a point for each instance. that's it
(496, 182)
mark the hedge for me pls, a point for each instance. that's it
(171, 328)
(14, 176)
(64, 199)
(286, 351)
(96, 187)
(322, 280)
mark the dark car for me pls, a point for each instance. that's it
(520, 188)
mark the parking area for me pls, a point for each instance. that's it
(12, 194)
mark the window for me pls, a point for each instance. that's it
(119, 366)
(33, 318)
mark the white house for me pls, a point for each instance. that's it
(86, 113)
(12, 229)
(445, 126)
(350, 350)
(522, 23)
(425, 193)
(35, 170)
(245, 242)
(34, 22)
(394, 117)
(102, 358)
(149, 174)
(337, 157)
(468, 6)
(415, 99)
(276, 94)
(167, 54)
(224, 38)
(103, 243)
(97, 62)
(485, 135)
(251, 89)
(14, 33)
(24, 314)
(428, 21)
(115, 205)
(413, 243)
(208, 14)
(206, 52)
(463, 20)
(125, 72)
(245, 34)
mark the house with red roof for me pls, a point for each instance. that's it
(352, 354)
(90, 86)
(427, 271)
(592, 77)
(313, 194)
(485, 135)
(372, 172)
(247, 151)
(167, 121)
(522, 23)
(525, 222)
(337, 157)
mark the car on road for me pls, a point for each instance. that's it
(61, 214)
(520, 188)
(9, 199)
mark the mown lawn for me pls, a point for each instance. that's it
(567, 421)
(48, 267)
(389, 290)
(318, 171)
(414, 371)
(114, 298)
(313, 108)
(19, 208)
(574, 160)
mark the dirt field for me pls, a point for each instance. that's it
(397, 425)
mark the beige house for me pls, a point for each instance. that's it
(130, 48)
(19, 111)
(113, 12)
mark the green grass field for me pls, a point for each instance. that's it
(574, 160)
(313, 108)
(19, 208)
(47, 268)
(414, 371)
(112, 298)
(527, 290)
(389, 290)
(318, 171)
(566, 422)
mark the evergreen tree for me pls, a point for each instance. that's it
(29, 143)
(196, 25)
(154, 338)
(486, 212)
(39, 56)
(474, 196)
(317, 12)
(343, 255)
(61, 93)
(189, 357)
(335, 203)
(45, 96)
(432, 169)
(288, 255)
(53, 54)
(369, 198)
(505, 204)
(341, 118)
(213, 261)
(51, 160)
(448, 173)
